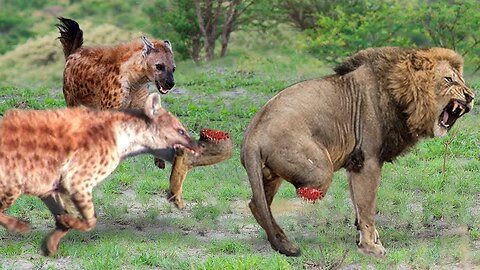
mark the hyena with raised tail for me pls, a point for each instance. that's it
(60, 155)
(113, 77)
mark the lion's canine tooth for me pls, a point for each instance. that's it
(455, 106)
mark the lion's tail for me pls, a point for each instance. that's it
(71, 36)
(253, 165)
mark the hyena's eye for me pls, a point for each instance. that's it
(174, 68)
(160, 67)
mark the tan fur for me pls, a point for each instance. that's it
(379, 104)
(66, 152)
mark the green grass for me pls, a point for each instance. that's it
(426, 217)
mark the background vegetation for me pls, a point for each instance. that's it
(427, 218)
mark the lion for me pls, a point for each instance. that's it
(380, 103)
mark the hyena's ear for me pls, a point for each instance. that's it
(169, 44)
(153, 106)
(147, 46)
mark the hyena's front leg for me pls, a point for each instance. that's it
(177, 177)
(363, 190)
(7, 197)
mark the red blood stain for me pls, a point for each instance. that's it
(310, 194)
(213, 135)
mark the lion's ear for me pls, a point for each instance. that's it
(420, 62)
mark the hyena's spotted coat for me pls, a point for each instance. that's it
(113, 77)
(66, 152)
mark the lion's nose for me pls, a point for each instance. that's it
(468, 98)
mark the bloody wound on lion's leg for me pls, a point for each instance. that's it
(310, 194)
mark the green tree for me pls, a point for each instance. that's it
(198, 24)
(455, 25)
(344, 29)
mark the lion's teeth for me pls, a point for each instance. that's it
(455, 106)
(461, 112)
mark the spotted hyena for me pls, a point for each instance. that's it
(113, 77)
(60, 155)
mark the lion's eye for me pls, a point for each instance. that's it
(448, 79)
(160, 67)
(181, 132)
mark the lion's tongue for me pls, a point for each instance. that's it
(310, 194)
(445, 118)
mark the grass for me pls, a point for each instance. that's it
(426, 217)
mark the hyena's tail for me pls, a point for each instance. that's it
(71, 36)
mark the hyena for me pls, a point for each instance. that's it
(113, 77)
(60, 155)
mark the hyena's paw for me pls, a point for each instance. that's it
(176, 199)
(49, 246)
(74, 223)
(376, 250)
(160, 163)
(19, 226)
(51, 241)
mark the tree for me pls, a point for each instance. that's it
(345, 29)
(455, 25)
(212, 15)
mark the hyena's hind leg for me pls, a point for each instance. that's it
(7, 197)
(51, 241)
(81, 197)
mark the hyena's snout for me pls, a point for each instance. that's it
(170, 81)
(193, 146)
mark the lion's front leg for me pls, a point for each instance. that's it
(363, 190)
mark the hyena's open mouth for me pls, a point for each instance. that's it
(454, 110)
(163, 88)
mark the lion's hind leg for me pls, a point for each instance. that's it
(7, 198)
(305, 166)
(271, 184)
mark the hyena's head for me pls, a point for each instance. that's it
(159, 63)
(167, 129)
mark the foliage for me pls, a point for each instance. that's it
(345, 29)
(13, 29)
(177, 21)
(342, 29)
(197, 25)
(453, 25)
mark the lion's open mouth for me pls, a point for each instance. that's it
(454, 110)
(162, 89)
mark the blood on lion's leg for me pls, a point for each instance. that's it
(305, 165)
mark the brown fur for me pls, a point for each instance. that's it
(378, 105)
(60, 155)
(213, 151)
(113, 77)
